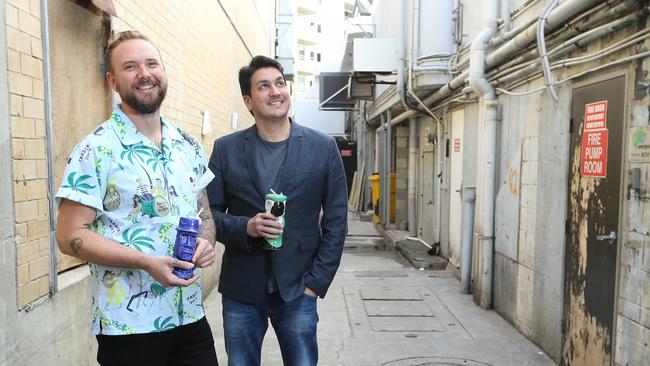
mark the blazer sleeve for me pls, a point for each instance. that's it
(334, 198)
(231, 229)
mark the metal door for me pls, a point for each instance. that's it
(593, 213)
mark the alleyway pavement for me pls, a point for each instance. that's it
(380, 310)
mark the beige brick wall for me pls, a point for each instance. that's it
(203, 44)
(202, 52)
(29, 154)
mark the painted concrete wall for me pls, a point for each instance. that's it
(633, 318)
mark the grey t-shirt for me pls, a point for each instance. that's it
(269, 158)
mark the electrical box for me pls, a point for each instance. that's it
(376, 55)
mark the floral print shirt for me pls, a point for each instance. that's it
(139, 192)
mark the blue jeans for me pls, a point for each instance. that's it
(294, 322)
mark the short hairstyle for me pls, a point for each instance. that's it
(119, 38)
(246, 72)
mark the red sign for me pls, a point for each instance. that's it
(456, 145)
(346, 152)
(593, 161)
(596, 116)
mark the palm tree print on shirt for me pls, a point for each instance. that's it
(78, 184)
(137, 241)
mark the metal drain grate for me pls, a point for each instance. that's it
(437, 361)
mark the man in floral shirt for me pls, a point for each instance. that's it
(124, 189)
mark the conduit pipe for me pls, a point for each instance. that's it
(560, 14)
(541, 48)
(487, 154)
(49, 132)
(469, 194)
(413, 147)
(508, 74)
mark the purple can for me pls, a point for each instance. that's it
(185, 244)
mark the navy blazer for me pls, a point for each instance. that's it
(312, 178)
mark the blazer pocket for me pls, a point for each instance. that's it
(309, 243)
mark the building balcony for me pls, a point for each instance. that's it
(307, 7)
(305, 66)
(305, 35)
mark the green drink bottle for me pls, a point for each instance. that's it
(275, 205)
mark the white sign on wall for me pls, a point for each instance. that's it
(639, 150)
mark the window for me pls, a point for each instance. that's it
(318, 57)
(315, 27)
(311, 55)
(301, 83)
(301, 53)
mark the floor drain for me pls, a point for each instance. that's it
(435, 361)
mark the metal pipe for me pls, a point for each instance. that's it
(49, 130)
(412, 172)
(469, 194)
(419, 240)
(401, 49)
(508, 74)
(487, 153)
(415, 47)
(541, 48)
(558, 15)
(387, 169)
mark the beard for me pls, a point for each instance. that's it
(144, 105)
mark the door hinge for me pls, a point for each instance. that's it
(567, 227)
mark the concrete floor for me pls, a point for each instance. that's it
(382, 311)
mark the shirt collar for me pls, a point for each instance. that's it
(129, 134)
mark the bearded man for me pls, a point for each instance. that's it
(124, 190)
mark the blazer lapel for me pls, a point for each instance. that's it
(293, 153)
(249, 152)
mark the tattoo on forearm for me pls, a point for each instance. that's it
(76, 245)
(208, 230)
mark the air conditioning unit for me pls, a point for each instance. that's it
(361, 87)
(333, 93)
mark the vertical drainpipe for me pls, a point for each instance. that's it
(387, 169)
(486, 155)
(412, 218)
(49, 130)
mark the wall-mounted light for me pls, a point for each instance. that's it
(233, 120)
(206, 126)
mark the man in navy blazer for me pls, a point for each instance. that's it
(258, 284)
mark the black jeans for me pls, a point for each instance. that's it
(190, 344)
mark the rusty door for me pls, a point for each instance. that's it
(597, 122)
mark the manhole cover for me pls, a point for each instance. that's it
(437, 361)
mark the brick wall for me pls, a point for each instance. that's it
(203, 44)
(29, 156)
(202, 52)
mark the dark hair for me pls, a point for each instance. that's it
(246, 72)
(116, 40)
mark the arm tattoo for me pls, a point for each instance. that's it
(76, 245)
(208, 229)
